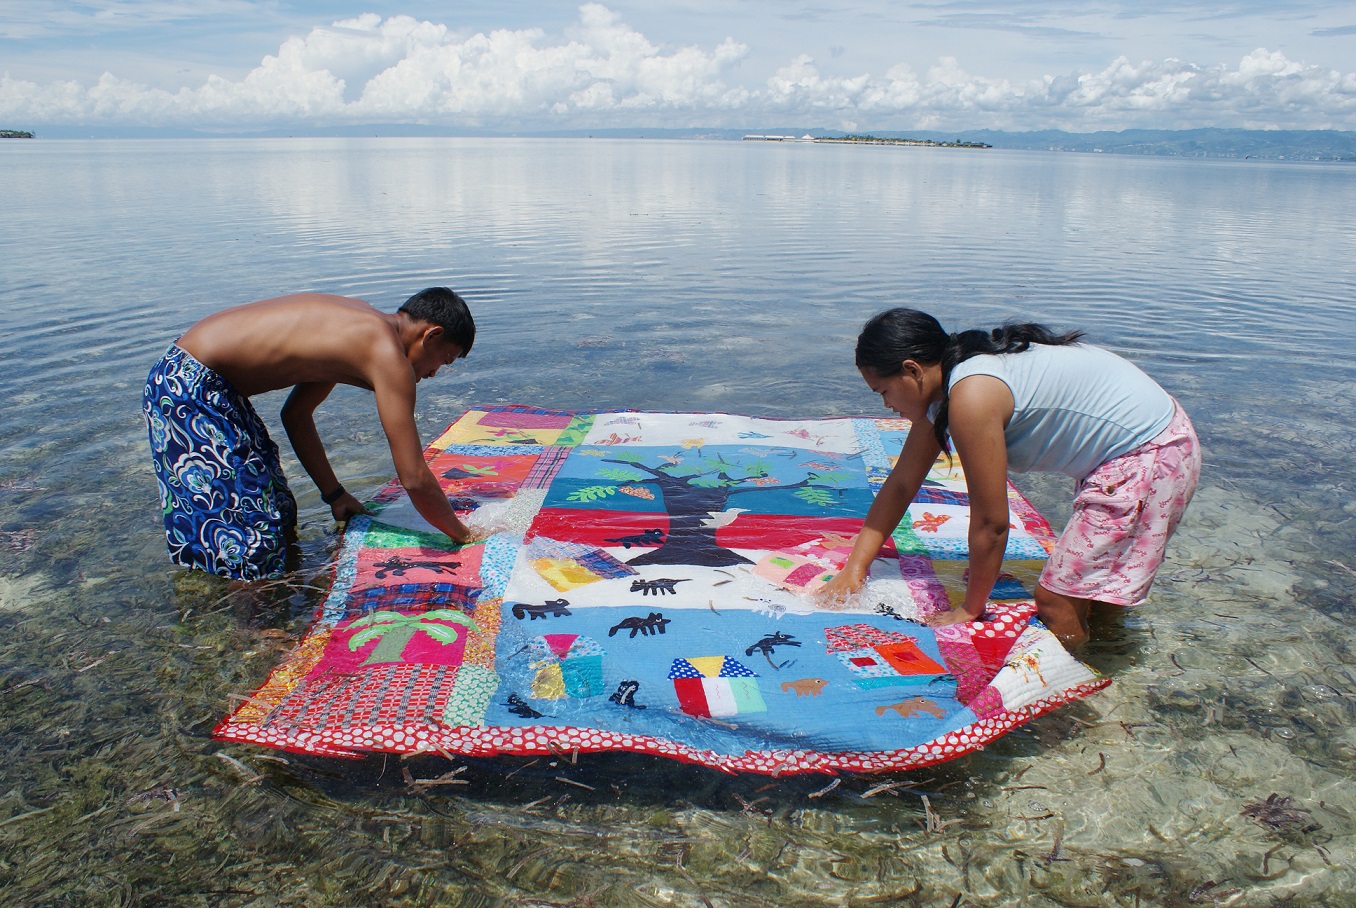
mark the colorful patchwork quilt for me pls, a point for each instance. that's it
(647, 584)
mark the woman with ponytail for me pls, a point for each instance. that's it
(1023, 398)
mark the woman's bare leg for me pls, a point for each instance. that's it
(1065, 616)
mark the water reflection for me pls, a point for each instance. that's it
(711, 276)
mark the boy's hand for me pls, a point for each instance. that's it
(345, 506)
(468, 534)
(471, 535)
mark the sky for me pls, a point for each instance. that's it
(542, 65)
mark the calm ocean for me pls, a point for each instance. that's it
(710, 276)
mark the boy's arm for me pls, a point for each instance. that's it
(298, 416)
(395, 406)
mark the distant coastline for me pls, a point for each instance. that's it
(1290, 145)
(15, 134)
(866, 140)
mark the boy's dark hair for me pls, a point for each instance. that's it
(440, 306)
(895, 335)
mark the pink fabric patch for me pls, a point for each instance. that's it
(975, 651)
(526, 419)
(928, 592)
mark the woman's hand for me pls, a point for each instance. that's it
(843, 585)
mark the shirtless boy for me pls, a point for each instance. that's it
(226, 504)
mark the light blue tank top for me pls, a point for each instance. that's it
(1077, 406)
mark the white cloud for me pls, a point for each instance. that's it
(1266, 90)
(601, 72)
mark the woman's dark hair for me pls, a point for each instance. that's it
(895, 335)
(440, 306)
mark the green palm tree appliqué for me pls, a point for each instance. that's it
(394, 630)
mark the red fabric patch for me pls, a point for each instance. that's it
(404, 640)
(906, 658)
(784, 532)
(598, 528)
(691, 696)
(483, 477)
(418, 565)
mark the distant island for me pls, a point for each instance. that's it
(867, 140)
(883, 140)
(1239, 144)
(15, 134)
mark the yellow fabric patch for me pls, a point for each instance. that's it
(549, 683)
(562, 573)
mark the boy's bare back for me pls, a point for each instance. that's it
(300, 338)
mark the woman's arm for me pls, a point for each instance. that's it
(906, 477)
(980, 407)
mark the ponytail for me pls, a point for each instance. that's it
(893, 336)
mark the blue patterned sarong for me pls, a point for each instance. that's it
(227, 506)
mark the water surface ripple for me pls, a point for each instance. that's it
(675, 275)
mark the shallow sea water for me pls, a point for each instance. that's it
(1216, 769)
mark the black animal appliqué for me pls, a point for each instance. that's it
(889, 612)
(397, 566)
(459, 473)
(518, 706)
(625, 694)
(552, 608)
(883, 608)
(647, 537)
(658, 587)
(770, 643)
(653, 624)
(767, 644)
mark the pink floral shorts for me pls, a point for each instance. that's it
(1123, 515)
